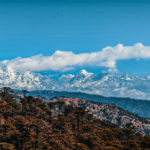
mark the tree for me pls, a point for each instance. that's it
(24, 92)
(6, 89)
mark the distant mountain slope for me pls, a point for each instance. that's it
(140, 107)
(106, 84)
(110, 113)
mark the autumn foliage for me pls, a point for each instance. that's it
(32, 124)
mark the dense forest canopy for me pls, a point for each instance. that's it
(31, 123)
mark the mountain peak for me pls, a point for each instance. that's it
(125, 76)
(105, 83)
(85, 73)
(69, 76)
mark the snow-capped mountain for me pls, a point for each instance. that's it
(106, 84)
(23, 80)
(82, 77)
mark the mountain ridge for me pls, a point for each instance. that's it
(105, 83)
(140, 107)
(110, 113)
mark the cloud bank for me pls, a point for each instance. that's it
(67, 60)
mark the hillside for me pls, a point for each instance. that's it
(140, 107)
(31, 123)
(110, 113)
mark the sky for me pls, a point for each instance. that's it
(96, 34)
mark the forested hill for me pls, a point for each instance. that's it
(110, 113)
(140, 107)
(31, 123)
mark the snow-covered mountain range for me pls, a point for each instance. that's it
(106, 84)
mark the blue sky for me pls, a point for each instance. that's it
(29, 28)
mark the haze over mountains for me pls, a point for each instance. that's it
(105, 83)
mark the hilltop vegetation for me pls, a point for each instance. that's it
(110, 113)
(31, 123)
(140, 107)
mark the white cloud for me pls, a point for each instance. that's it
(64, 60)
